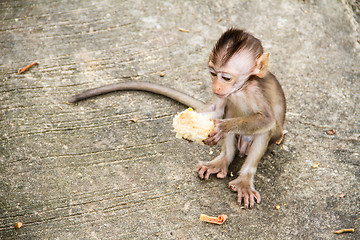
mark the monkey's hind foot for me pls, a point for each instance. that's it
(218, 166)
(246, 193)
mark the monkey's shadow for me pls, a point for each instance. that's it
(269, 168)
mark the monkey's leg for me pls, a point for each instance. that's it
(221, 163)
(244, 183)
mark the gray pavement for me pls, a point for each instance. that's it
(111, 168)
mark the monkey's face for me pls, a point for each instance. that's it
(231, 76)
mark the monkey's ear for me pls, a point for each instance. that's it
(261, 65)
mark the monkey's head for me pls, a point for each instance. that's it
(236, 56)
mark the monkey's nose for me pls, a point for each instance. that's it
(218, 91)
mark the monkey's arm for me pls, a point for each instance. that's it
(140, 86)
(249, 125)
(258, 123)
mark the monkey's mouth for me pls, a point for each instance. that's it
(220, 95)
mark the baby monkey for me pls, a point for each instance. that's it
(248, 109)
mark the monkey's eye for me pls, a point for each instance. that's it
(226, 77)
(213, 73)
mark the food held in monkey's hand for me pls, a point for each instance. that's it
(193, 126)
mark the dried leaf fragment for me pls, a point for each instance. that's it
(18, 225)
(345, 230)
(134, 120)
(183, 30)
(331, 132)
(216, 220)
(22, 70)
(316, 165)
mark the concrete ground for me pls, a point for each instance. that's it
(111, 168)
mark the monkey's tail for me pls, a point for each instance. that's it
(140, 86)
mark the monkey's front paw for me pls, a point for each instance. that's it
(246, 193)
(214, 167)
(216, 135)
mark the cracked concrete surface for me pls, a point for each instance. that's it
(111, 168)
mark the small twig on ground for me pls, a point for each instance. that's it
(345, 230)
(22, 70)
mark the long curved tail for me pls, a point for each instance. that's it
(140, 86)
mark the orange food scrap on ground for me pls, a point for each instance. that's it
(217, 220)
